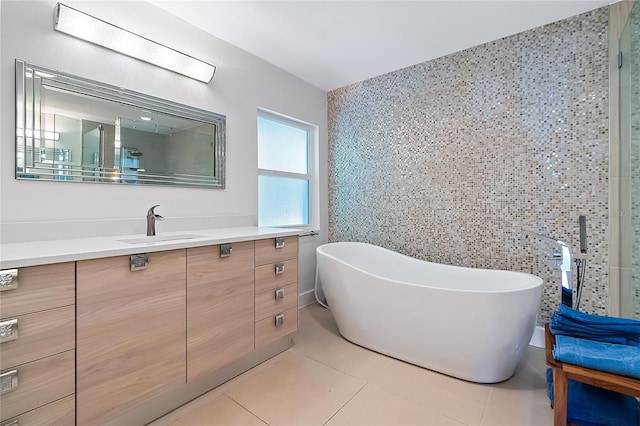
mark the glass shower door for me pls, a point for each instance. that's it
(630, 164)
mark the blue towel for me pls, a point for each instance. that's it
(589, 405)
(617, 359)
(567, 321)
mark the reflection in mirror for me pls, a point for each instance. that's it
(73, 129)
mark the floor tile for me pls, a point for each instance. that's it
(337, 352)
(295, 391)
(210, 409)
(521, 400)
(373, 406)
(455, 398)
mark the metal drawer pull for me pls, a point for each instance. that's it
(280, 293)
(279, 320)
(279, 268)
(139, 262)
(8, 381)
(8, 330)
(8, 279)
(225, 250)
(13, 422)
(279, 243)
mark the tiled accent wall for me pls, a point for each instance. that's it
(448, 160)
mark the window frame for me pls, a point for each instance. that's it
(312, 166)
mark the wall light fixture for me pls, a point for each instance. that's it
(86, 27)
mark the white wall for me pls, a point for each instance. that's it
(32, 210)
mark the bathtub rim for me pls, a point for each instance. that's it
(536, 281)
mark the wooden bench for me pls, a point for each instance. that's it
(562, 372)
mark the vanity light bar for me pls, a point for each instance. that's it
(86, 27)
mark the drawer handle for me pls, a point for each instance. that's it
(139, 262)
(12, 422)
(279, 320)
(279, 268)
(8, 381)
(280, 293)
(8, 279)
(225, 250)
(279, 243)
(8, 330)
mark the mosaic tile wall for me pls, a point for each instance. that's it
(635, 155)
(448, 160)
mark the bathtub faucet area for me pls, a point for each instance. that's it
(565, 260)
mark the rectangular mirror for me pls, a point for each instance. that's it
(77, 130)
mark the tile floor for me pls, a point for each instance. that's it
(326, 380)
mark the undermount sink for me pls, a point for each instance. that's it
(159, 238)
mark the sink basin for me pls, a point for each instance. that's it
(159, 238)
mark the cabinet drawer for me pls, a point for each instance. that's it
(40, 288)
(268, 303)
(267, 331)
(58, 413)
(267, 276)
(38, 335)
(266, 251)
(39, 382)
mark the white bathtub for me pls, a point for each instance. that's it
(473, 324)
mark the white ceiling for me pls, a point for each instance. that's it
(331, 44)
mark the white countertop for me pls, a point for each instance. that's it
(18, 255)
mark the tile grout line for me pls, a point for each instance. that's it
(246, 409)
(486, 404)
(346, 403)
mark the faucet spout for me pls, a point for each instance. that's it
(565, 258)
(151, 221)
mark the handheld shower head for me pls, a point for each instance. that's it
(582, 220)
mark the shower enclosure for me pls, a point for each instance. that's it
(629, 66)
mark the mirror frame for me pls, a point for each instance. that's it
(103, 91)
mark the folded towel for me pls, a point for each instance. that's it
(589, 405)
(567, 321)
(618, 359)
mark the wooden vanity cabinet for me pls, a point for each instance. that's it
(104, 340)
(131, 332)
(37, 341)
(220, 301)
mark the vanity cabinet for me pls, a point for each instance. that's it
(276, 289)
(124, 339)
(37, 342)
(220, 322)
(131, 332)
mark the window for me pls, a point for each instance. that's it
(285, 171)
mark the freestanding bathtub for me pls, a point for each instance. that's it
(473, 324)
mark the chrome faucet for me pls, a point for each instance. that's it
(564, 259)
(151, 221)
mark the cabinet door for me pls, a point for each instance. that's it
(131, 333)
(220, 300)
